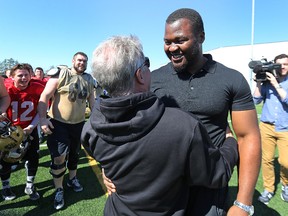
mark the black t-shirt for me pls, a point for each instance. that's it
(209, 94)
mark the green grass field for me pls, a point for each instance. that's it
(92, 199)
(276, 206)
(88, 202)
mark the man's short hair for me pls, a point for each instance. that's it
(281, 56)
(80, 53)
(190, 14)
(24, 66)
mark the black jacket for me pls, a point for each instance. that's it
(153, 154)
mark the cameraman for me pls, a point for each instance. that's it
(274, 128)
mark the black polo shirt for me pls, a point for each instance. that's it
(210, 94)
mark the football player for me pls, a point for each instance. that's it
(23, 112)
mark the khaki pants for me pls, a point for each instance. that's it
(270, 139)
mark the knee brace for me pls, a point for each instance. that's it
(57, 167)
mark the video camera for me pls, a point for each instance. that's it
(261, 67)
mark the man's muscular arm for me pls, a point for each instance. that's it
(245, 125)
(46, 95)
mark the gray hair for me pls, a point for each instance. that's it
(114, 63)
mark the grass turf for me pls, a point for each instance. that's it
(88, 202)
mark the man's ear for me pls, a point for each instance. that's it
(139, 76)
(202, 37)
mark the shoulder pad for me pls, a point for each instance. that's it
(55, 71)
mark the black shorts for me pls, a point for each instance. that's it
(65, 139)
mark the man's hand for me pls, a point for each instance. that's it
(108, 183)
(229, 132)
(46, 125)
(272, 79)
(28, 130)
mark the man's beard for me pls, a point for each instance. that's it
(180, 69)
(183, 68)
(78, 70)
(190, 61)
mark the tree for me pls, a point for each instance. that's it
(7, 64)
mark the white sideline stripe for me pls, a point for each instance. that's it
(98, 172)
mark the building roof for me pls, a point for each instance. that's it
(238, 57)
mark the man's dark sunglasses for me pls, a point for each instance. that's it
(145, 63)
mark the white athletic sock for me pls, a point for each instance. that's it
(30, 181)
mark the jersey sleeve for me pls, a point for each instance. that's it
(242, 97)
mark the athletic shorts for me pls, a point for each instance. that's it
(65, 139)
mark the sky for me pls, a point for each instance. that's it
(47, 33)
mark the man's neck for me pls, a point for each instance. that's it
(282, 78)
(77, 72)
(195, 68)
